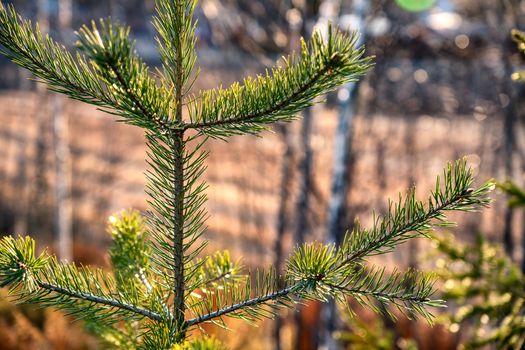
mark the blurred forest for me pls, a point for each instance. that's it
(441, 89)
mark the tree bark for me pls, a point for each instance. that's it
(282, 217)
(64, 208)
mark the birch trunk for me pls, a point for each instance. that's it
(340, 177)
(64, 210)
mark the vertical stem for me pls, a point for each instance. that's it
(178, 163)
(178, 220)
(509, 137)
(509, 148)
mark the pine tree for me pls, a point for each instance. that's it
(488, 289)
(161, 289)
(486, 284)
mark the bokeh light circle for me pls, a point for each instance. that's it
(415, 5)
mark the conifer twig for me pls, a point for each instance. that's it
(287, 100)
(282, 92)
(319, 271)
(100, 300)
(125, 86)
(244, 304)
(48, 60)
(410, 226)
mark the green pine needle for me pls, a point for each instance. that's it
(281, 93)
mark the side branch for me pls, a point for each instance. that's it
(49, 61)
(282, 92)
(251, 117)
(136, 101)
(247, 303)
(126, 76)
(410, 226)
(382, 295)
(100, 300)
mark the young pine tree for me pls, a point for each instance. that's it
(487, 287)
(161, 289)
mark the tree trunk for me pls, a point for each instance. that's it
(38, 212)
(340, 178)
(410, 152)
(282, 217)
(507, 20)
(509, 140)
(21, 210)
(302, 210)
(64, 210)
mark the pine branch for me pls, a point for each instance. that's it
(174, 22)
(410, 292)
(49, 61)
(130, 252)
(281, 94)
(178, 229)
(126, 75)
(514, 192)
(253, 302)
(409, 218)
(410, 227)
(397, 289)
(122, 93)
(177, 220)
(487, 288)
(249, 299)
(254, 116)
(315, 267)
(91, 298)
(86, 293)
(317, 271)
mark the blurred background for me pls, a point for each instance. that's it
(441, 89)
